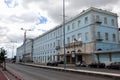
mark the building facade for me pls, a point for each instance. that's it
(91, 36)
(20, 51)
(24, 52)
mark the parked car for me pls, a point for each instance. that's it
(97, 65)
(13, 61)
(81, 64)
(52, 63)
(78, 63)
(60, 62)
(114, 65)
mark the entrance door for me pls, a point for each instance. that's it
(73, 60)
(79, 59)
(68, 59)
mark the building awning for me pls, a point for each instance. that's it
(108, 51)
(76, 54)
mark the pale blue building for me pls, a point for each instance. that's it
(91, 36)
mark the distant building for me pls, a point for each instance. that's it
(119, 36)
(20, 52)
(91, 36)
(24, 52)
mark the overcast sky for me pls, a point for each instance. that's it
(40, 16)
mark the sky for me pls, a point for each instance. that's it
(40, 16)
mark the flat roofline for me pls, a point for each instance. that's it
(82, 13)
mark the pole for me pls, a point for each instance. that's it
(24, 45)
(74, 52)
(64, 33)
(13, 47)
(13, 50)
(24, 36)
(32, 50)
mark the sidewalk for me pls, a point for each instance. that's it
(72, 66)
(2, 76)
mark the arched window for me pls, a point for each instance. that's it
(79, 50)
(112, 22)
(99, 49)
(67, 51)
(105, 20)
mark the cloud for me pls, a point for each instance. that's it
(88, 3)
(3, 31)
(53, 8)
(11, 3)
(42, 20)
(26, 15)
(23, 18)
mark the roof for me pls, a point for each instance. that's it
(82, 13)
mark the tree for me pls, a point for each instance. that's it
(3, 53)
(14, 59)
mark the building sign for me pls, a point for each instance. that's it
(73, 54)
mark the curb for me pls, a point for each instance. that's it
(13, 74)
(5, 75)
(93, 73)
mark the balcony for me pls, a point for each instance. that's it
(57, 48)
(99, 39)
(98, 21)
(77, 43)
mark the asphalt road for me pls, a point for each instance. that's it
(33, 73)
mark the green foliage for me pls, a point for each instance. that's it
(14, 59)
(3, 52)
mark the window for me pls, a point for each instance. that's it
(58, 32)
(68, 40)
(97, 18)
(79, 37)
(112, 22)
(48, 36)
(106, 36)
(68, 28)
(48, 46)
(54, 34)
(54, 44)
(51, 35)
(73, 25)
(79, 23)
(114, 37)
(105, 20)
(86, 36)
(73, 37)
(58, 42)
(86, 20)
(98, 35)
(51, 45)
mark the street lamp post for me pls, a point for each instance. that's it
(74, 52)
(13, 48)
(31, 58)
(64, 33)
(25, 30)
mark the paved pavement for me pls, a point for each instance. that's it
(10, 76)
(114, 74)
(2, 76)
(34, 73)
(72, 68)
(5, 75)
